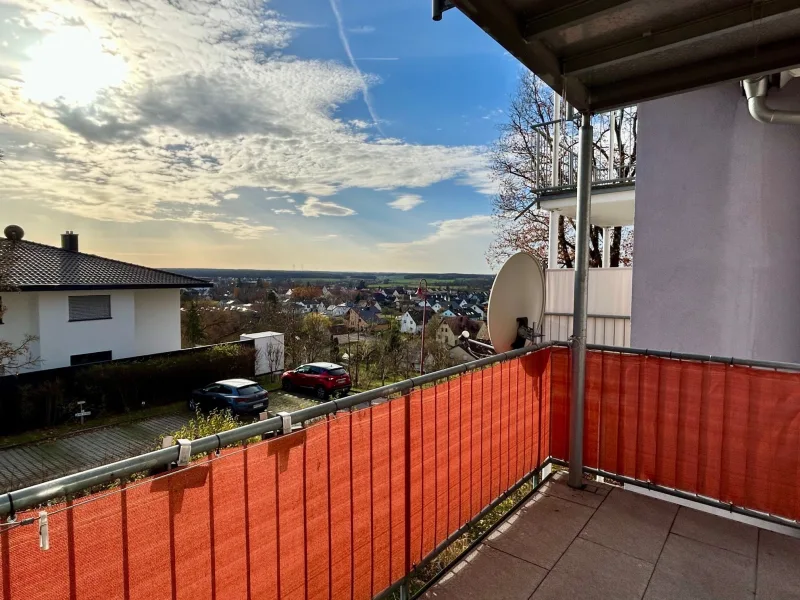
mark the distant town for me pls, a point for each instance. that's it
(370, 319)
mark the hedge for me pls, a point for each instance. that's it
(45, 399)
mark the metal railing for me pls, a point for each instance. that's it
(555, 158)
(36, 495)
(611, 330)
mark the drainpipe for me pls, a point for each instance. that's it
(756, 92)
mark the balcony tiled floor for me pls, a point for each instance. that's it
(604, 542)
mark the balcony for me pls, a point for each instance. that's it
(607, 542)
(358, 503)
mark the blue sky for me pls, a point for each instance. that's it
(223, 134)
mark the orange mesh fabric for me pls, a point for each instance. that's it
(321, 513)
(726, 432)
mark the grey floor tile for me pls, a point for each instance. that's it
(542, 530)
(632, 523)
(692, 570)
(717, 531)
(588, 571)
(592, 496)
(488, 573)
(778, 567)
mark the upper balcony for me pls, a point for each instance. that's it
(613, 165)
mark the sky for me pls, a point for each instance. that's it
(287, 134)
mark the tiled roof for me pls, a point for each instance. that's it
(29, 266)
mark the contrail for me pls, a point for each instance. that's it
(354, 64)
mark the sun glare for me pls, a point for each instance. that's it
(71, 64)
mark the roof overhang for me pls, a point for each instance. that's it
(603, 54)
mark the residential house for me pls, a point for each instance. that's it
(451, 328)
(411, 322)
(338, 310)
(84, 308)
(437, 306)
(477, 309)
(362, 318)
(326, 292)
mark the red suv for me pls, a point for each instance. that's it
(324, 378)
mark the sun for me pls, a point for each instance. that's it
(71, 64)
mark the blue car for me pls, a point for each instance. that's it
(240, 396)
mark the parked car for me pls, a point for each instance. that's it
(241, 396)
(324, 378)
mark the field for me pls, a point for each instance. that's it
(473, 282)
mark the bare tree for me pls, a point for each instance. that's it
(521, 162)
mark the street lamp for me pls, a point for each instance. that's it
(422, 290)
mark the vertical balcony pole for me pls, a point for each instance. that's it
(581, 294)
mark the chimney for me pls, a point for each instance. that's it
(69, 241)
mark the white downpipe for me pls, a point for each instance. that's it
(612, 144)
(606, 247)
(552, 241)
(756, 92)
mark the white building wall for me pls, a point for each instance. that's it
(157, 320)
(717, 220)
(21, 318)
(59, 338)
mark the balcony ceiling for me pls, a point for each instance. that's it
(602, 54)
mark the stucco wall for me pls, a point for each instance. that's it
(717, 258)
(21, 319)
(60, 339)
(158, 321)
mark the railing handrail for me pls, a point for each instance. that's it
(35, 495)
(725, 360)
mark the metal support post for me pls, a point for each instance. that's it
(607, 246)
(554, 181)
(581, 294)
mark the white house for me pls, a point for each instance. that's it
(411, 321)
(83, 308)
(437, 306)
(478, 310)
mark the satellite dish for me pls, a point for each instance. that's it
(516, 299)
(14, 232)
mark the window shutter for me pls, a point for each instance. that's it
(89, 308)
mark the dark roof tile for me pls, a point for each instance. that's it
(29, 266)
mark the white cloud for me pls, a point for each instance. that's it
(362, 29)
(284, 211)
(313, 207)
(406, 202)
(452, 229)
(329, 236)
(211, 101)
(290, 200)
(230, 196)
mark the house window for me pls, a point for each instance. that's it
(91, 357)
(89, 308)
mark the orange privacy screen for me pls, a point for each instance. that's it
(320, 513)
(727, 432)
(324, 512)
